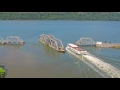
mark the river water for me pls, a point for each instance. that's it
(36, 60)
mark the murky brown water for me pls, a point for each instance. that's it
(36, 60)
(54, 65)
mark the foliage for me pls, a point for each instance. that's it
(106, 16)
(2, 72)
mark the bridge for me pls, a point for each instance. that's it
(12, 40)
(91, 42)
(86, 42)
(52, 42)
(1, 40)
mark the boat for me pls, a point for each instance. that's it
(76, 49)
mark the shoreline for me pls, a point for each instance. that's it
(58, 20)
(102, 16)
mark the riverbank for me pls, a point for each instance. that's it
(93, 16)
(108, 45)
(117, 47)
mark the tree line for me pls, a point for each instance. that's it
(104, 16)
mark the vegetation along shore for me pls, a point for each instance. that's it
(99, 16)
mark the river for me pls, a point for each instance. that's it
(36, 60)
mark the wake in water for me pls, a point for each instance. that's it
(87, 63)
(109, 69)
(105, 67)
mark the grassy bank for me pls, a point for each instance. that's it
(117, 47)
(2, 72)
(104, 16)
